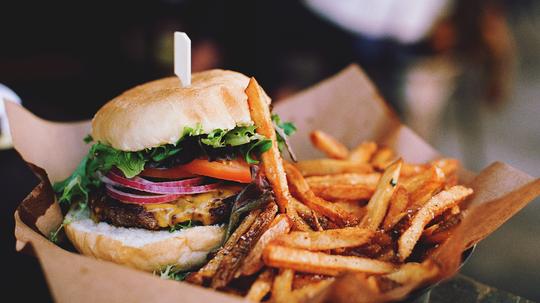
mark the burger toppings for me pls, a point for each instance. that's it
(220, 154)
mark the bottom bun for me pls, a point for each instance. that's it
(140, 248)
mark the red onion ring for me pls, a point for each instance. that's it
(155, 199)
(138, 199)
(155, 188)
(146, 185)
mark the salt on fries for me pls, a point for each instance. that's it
(364, 213)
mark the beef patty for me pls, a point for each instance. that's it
(205, 209)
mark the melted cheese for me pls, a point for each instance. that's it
(189, 207)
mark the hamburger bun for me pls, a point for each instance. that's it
(156, 113)
(140, 248)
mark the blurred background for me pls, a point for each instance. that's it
(465, 74)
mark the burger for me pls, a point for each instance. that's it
(166, 166)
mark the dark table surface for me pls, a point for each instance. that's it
(16, 181)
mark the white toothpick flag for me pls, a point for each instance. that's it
(182, 57)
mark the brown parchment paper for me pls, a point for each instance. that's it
(345, 105)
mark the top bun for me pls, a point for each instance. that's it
(156, 113)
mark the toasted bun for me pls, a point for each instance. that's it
(156, 112)
(143, 249)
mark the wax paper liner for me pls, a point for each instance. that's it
(346, 105)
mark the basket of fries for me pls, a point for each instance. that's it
(368, 213)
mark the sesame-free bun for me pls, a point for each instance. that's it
(155, 113)
(140, 248)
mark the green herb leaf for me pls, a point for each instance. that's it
(67, 220)
(171, 273)
(88, 139)
(182, 225)
(257, 148)
(283, 131)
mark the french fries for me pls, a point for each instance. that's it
(359, 216)
(233, 259)
(326, 239)
(311, 291)
(378, 204)
(282, 288)
(413, 272)
(272, 165)
(344, 186)
(432, 174)
(328, 145)
(434, 207)
(321, 263)
(279, 226)
(363, 152)
(322, 167)
(209, 270)
(261, 286)
(369, 180)
(343, 192)
(301, 189)
(398, 204)
(382, 158)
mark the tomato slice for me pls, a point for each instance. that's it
(235, 170)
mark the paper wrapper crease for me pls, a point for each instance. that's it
(346, 105)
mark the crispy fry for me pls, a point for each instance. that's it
(303, 214)
(398, 204)
(253, 262)
(413, 272)
(434, 207)
(231, 262)
(382, 158)
(282, 288)
(303, 279)
(353, 287)
(358, 210)
(320, 167)
(272, 165)
(342, 192)
(301, 190)
(409, 170)
(420, 197)
(261, 286)
(363, 152)
(321, 263)
(209, 270)
(329, 145)
(326, 239)
(369, 180)
(439, 232)
(344, 186)
(310, 291)
(432, 174)
(378, 204)
(449, 166)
